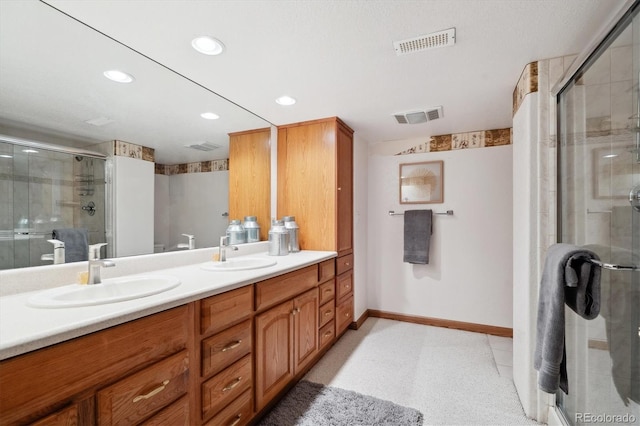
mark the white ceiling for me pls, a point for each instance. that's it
(337, 58)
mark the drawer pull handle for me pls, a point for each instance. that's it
(326, 314)
(237, 420)
(232, 384)
(347, 263)
(152, 393)
(327, 290)
(231, 346)
(347, 315)
(327, 334)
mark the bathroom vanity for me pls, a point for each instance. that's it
(219, 349)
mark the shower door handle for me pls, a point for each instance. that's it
(634, 197)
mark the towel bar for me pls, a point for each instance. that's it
(613, 266)
(447, 213)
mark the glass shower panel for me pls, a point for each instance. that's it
(42, 190)
(599, 164)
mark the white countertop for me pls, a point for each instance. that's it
(24, 328)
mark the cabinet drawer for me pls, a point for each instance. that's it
(138, 396)
(344, 263)
(344, 285)
(279, 289)
(327, 313)
(177, 414)
(326, 270)
(67, 417)
(226, 386)
(327, 291)
(220, 311)
(225, 348)
(237, 413)
(344, 315)
(326, 334)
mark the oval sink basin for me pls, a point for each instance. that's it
(109, 291)
(239, 264)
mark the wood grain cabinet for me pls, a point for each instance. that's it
(250, 177)
(216, 361)
(315, 184)
(122, 375)
(287, 333)
(226, 354)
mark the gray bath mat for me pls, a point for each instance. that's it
(313, 404)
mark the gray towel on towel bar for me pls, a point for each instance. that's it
(417, 236)
(76, 243)
(567, 278)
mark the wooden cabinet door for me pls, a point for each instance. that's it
(307, 181)
(305, 345)
(250, 177)
(345, 191)
(273, 352)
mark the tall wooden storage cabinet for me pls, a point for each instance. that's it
(315, 184)
(250, 177)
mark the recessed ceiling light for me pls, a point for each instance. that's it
(207, 45)
(30, 151)
(610, 156)
(6, 156)
(118, 76)
(285, 100)
(209, 115)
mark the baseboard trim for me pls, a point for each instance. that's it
(437, 322)
(358, 323)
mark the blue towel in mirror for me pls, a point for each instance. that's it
(76, 243)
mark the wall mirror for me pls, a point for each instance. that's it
(422, 183)
(52, 90)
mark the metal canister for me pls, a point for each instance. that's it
(292, 227)
(236, 232)
(252, 228)
(278, 239)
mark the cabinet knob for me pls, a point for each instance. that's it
(339, 189)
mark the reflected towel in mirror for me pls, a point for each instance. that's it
(76, 243)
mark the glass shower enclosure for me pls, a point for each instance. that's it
(42, 189)
(599, 208)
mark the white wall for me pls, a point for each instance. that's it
(134, 205)
(360, 221)
(197, 202)
(469, 277)
(162, 218)
(525, 244)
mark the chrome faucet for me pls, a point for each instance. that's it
(191, 244)
(224, 245)
(57, 257)
(95, 263)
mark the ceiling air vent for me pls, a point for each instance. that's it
(425, 42)
(204, 146)
(417, 117)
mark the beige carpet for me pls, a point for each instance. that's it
(450, 376)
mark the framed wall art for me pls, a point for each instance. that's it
(422, 183)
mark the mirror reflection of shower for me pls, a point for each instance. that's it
(45, 188)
